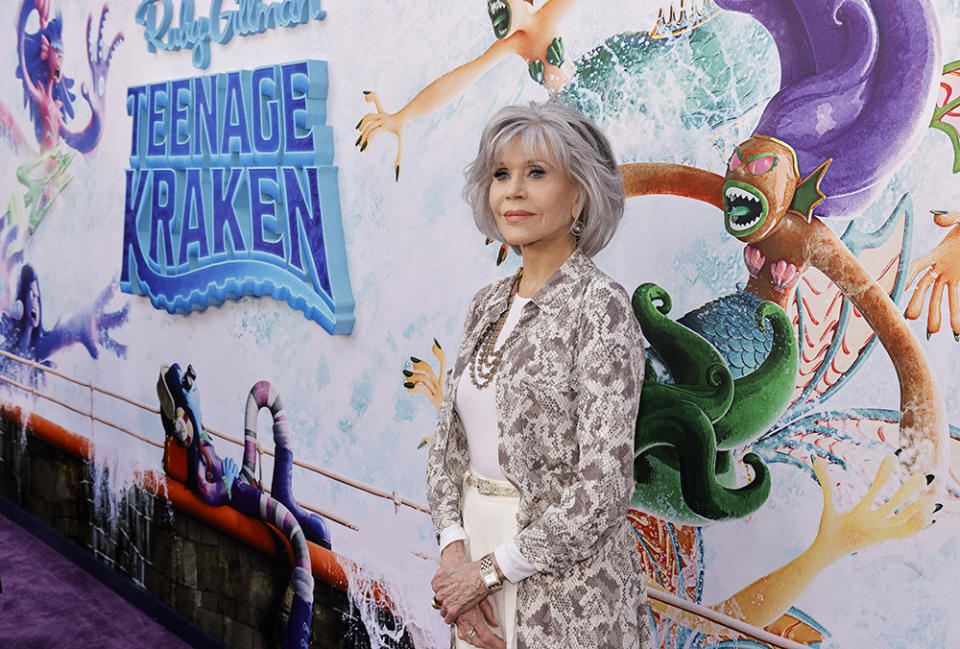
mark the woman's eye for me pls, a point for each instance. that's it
(537, 172)
(501, 174)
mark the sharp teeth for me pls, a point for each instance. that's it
(742, 194)
(744, 226)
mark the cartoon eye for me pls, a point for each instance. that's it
(735, 159)
(762, 164)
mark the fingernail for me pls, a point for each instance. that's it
(956, 337)
(928, 334)
(415, 359)
(937, 212)
(359, 137)
(366, 92)
(396, 174)
(407, 373)
(437, 344)
(359, 123)
(937, 507)
(408, 385)
(898, 452)
(364, 146)
(930, 477)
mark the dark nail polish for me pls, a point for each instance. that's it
(364, 146)
(396, 174)
(937, 507)
(407, 373)
(437, 344)
(930, 478)
(358, 124)
(415, 359)
(956, 337)
(898, 452)
(928, 334)
(937, 212)
(409, 385)
(366, 92)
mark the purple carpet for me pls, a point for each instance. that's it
(48, 602)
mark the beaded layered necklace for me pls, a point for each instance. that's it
(486, 361)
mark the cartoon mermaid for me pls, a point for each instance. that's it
(858, 78)
(48, 96)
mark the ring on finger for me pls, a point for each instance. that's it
(435, 604)
(471, 634)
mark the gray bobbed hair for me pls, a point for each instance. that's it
(568, 141)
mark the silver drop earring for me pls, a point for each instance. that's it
(577, 228)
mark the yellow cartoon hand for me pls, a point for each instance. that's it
(942, 265)
(841, 533)
(373, 124)
(423, 380)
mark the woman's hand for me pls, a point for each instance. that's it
(475, 619)
(458, 588)
(453, 554)
(478, 621)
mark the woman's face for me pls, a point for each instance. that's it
(533, 201)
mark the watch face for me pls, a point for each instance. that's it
(489, 574)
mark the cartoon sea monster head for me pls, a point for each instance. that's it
(762, 184)
(501, 16)
(179, 403)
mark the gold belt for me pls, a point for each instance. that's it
(491, 487)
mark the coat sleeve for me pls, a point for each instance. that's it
(609, 374)
(448, 458)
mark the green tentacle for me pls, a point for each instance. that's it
(701, 376)
(676, 465)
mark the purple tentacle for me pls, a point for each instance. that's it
(254, 502)
(259, 397)
(858, 78)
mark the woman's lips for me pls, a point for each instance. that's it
(516, 216)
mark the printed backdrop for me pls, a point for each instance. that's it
(345, 288)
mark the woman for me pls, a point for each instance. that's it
(531, 470)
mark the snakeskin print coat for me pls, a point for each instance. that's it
(567, 394)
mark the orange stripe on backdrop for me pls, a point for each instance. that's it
(327, 566)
